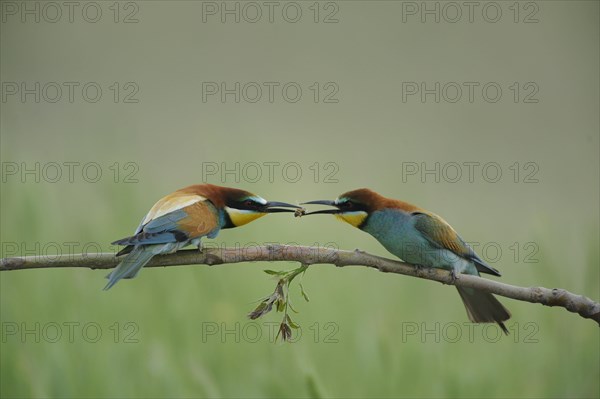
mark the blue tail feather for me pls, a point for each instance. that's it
(131, 265)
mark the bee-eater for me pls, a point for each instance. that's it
(183, 218)
(421, 238)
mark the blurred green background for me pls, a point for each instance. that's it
(183, 332)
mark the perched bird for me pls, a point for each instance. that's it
(183, 218)
(421, 238)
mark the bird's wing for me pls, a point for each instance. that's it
(438, 232)
(169, 204)
(175, 221)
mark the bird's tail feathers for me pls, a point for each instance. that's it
(130, 266)
(483, 307)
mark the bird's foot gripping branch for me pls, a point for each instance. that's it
(280, 299)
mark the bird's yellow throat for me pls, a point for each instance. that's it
(241, 217)
(353, 218)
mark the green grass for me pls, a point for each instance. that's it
(365, 350)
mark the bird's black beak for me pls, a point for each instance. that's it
(322, 202)
(276, 207)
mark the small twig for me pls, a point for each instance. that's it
(582, 305)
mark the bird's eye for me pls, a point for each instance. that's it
(249, 203)
(347, 205)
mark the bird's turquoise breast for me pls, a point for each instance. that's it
(223, 221)
(395, 230)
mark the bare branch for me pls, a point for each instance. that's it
(582, 305)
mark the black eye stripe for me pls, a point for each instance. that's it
(250, 204)
(351, 206)
(346, 204)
